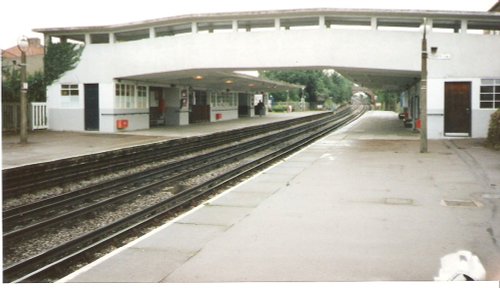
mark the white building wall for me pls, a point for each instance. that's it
(264, 49)
(66, 113)
(460, 57)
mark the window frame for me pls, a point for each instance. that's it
(68, 90)
(489, 94)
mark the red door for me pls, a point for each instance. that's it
(457, 108)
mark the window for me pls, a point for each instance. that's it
(142, 97)
(69, 90)
(125, 96)
(99, 38)
(132, 35)
(489, 94)
(223, 99)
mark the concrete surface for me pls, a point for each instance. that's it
(362, 204)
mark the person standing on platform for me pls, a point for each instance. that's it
(260, 108)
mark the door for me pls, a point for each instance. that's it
(91, 94)
(157, 106)
(199, 110)
(457, 109)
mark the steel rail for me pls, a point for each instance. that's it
(225, 154)
(42, 175)
(40, 266)
(51, 202)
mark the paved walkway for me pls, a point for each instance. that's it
(362, 204)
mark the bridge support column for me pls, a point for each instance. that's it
(463, 27)
(428, 25)
(87, 38)
(235, 25)
(322, 24)
(277, 24)
(374, 23)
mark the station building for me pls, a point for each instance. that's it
(180, 70)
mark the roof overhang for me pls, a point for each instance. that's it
(387, 80)
(249, 15)
(214, 79)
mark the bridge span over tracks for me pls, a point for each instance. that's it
(188, 61)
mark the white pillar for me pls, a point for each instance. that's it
(152, 33)
(235, 25)
(322, 24)
(87, 38)
(277, 23)
(194, 27)
(429, 25)
(463, 27)
(374, 23)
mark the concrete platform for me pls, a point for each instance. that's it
(50, 145)
(362, 204)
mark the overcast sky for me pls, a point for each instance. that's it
(18, 18)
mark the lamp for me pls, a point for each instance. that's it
(23, 44)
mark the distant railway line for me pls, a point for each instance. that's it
(60, 218)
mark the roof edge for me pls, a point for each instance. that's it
(272, 13)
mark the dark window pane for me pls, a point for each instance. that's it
(486, 97)
(486, 89)
(486, 105)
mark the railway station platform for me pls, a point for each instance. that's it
(361, 204)
(51, 145)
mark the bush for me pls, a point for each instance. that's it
(279, 108)
(494, 130)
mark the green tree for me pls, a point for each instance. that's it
(36, 87)
(493, 138)
(11, 84)
(319, 85)
(60, 57)
(388, 100)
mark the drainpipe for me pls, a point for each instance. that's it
(423, 94)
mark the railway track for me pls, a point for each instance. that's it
(175, 182)
(30, 178)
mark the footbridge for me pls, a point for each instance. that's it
(378, 49)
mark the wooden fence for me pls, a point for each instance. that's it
(11, 116)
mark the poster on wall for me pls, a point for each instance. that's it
(184, 98)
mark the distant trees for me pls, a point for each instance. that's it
(11, 84)
(59, 58)
(389, 100)
(320, 85)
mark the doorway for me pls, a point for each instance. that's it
(457, 109)
(91, 107)
(157, 107)
(199, 109)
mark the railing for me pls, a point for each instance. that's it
(39, 115)
(11, 116)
